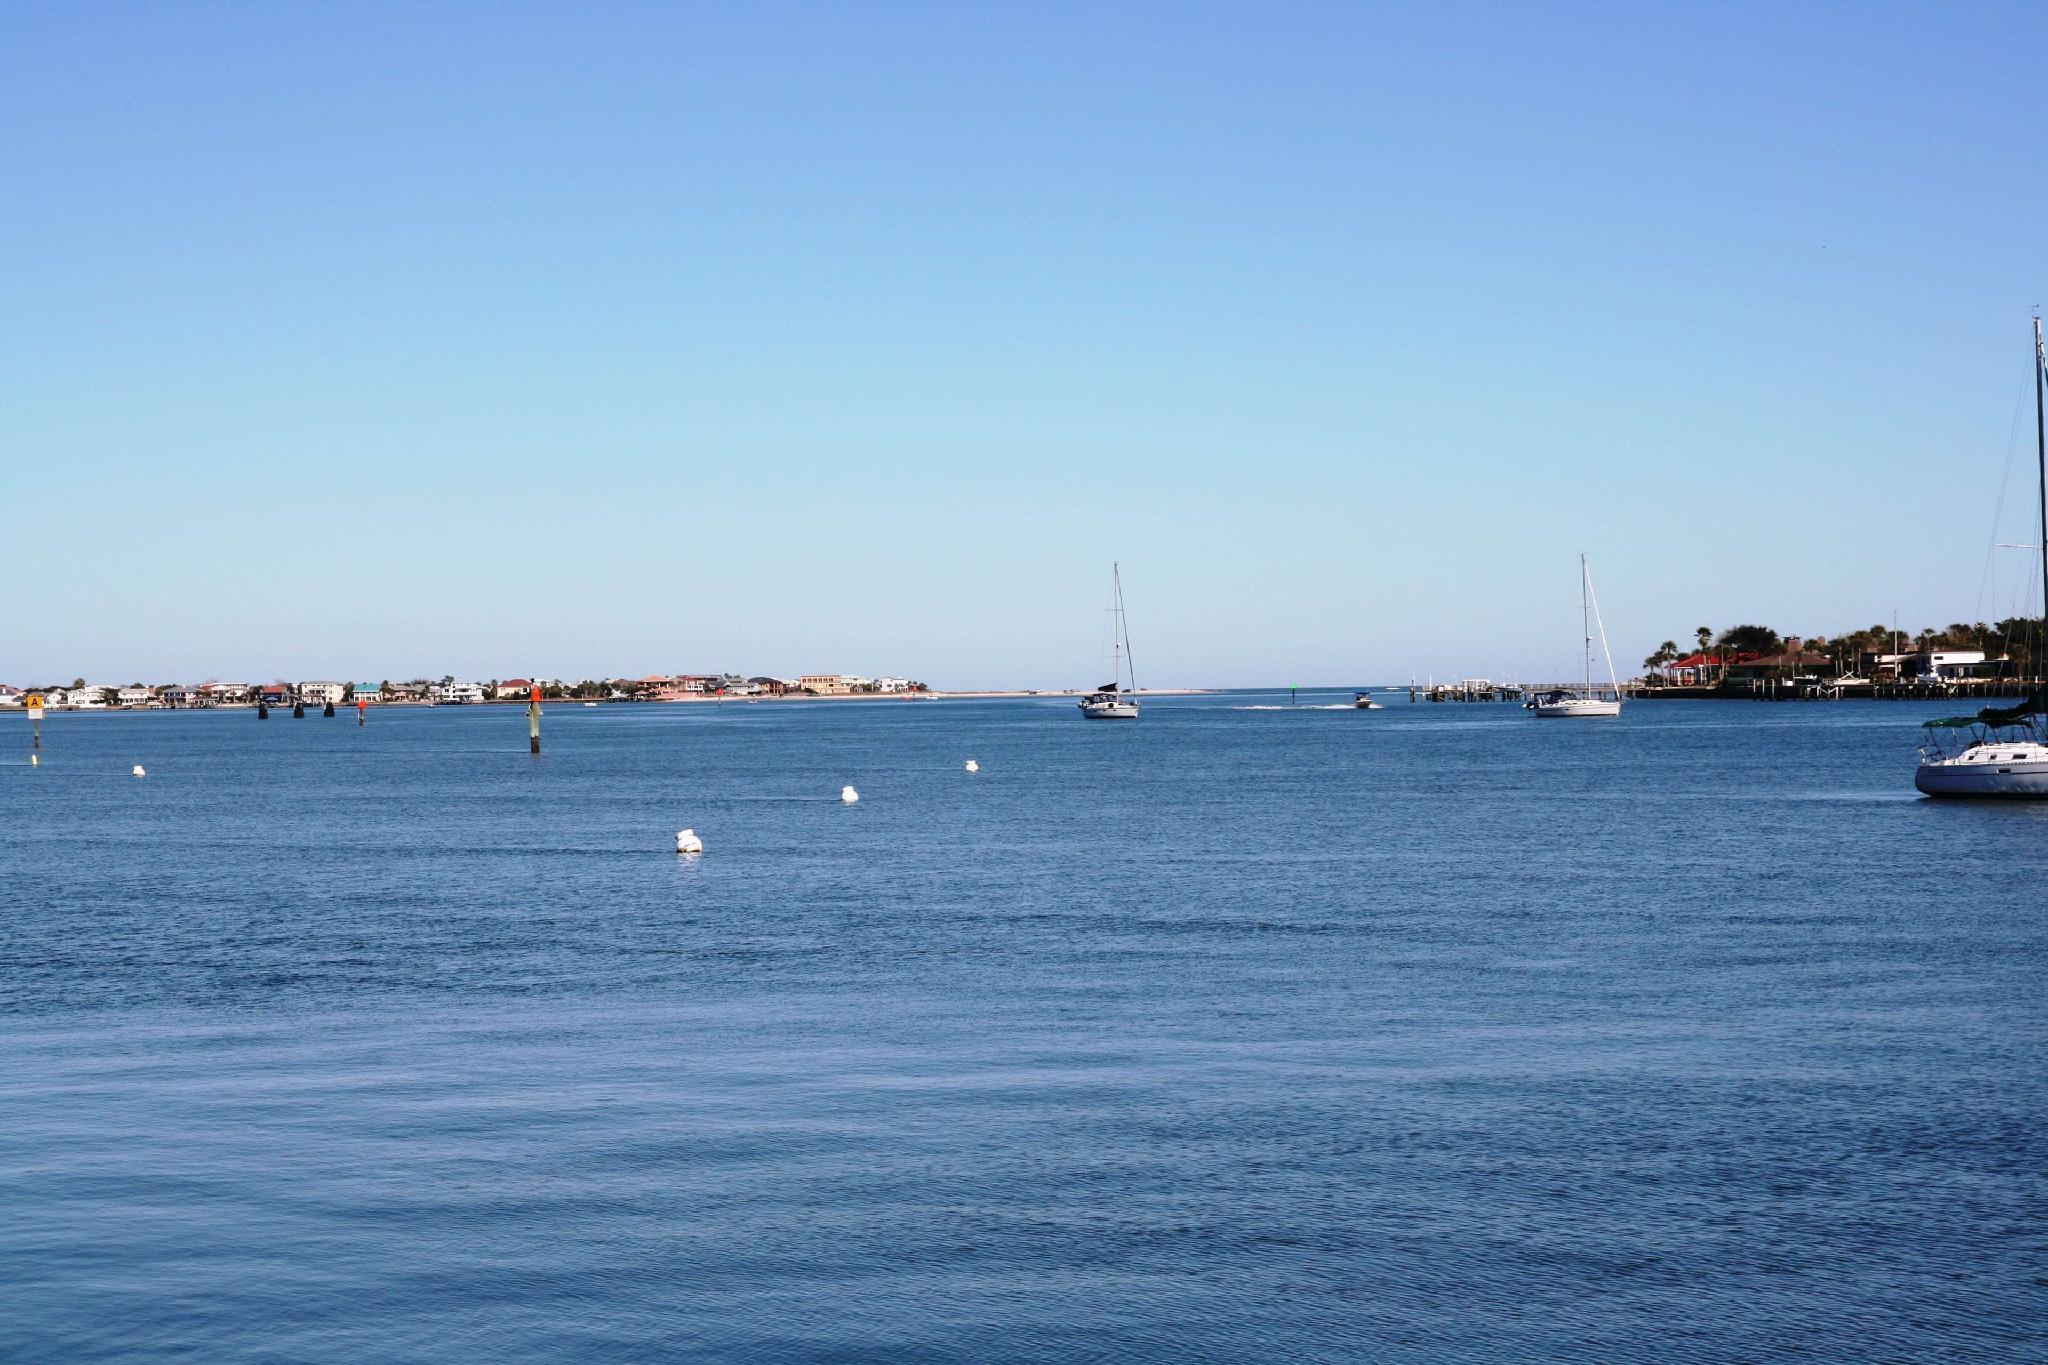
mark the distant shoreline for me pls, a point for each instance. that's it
(694, 699)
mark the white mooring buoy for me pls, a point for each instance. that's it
(688, 842)
(138, 770)
(848, 795)
(972, 766)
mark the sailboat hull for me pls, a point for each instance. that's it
(1576, 707)
(2013, 781)
(1109, 710)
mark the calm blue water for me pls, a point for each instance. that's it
(1430, 1034)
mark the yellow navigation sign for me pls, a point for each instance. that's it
(35, 729)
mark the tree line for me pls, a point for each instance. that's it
(2018, 638)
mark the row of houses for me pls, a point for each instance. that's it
(448, 691)
(138, 696)
(1919, 666)
(848, 684)
(681, 686)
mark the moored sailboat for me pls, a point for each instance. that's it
(1562, 702)
(2002, 751)
(1112, 700)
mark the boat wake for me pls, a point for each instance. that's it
(1315, 706)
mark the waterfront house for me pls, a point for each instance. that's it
(137, 696)
(1694, 670)
(825, 684)
(1947, 665)
(322, 693)
(11, 696)
(366, 692)
(773, 687)
(509, 688)
(183, 695)
(449, 692)
(86, 698)
(228, 694)
(1793, 662)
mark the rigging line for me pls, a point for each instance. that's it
(1987, 583)
(1611, 678)
(1105, 641)
(1123, 622)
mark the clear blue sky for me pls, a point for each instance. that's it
(376, 340)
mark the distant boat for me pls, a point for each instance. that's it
(2000, 750)
(1562, 702)
(1112, 700)
(591, 704)
(1364, 702)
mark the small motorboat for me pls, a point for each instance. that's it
(1364, 702)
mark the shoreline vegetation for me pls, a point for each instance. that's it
(1879, 662)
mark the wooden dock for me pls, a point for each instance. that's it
(1470, 690)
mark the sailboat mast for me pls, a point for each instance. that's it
(1585, 626)
(1123, 634)
(2041, 473)
(1116, 592)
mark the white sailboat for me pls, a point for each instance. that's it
(1112, 700)
(2000, 751)
(1585, 702)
